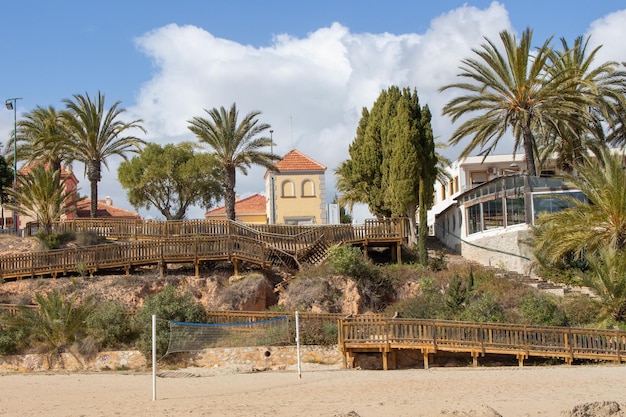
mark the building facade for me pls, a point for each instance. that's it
(486, 210)
(296, 191)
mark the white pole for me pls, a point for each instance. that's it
(298, 345)
(153, 357)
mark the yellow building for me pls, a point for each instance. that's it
(296, 191)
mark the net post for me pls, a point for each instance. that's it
(298, 345)
(153, 357)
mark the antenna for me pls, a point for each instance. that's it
(291, 122)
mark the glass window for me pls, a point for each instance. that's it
(474, 221)
(553, 202)
(493, 214)
(515, 212)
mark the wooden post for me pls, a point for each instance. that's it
(474, 359)
(399, 253)
(425, 352)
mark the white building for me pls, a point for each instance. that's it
(485, 211)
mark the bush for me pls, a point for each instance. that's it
(314, 332)
(429, 304)
(239, 292)
(167, 305)
(54, 240)
(484, 308)
(348, 260)
(11, 338)
(110, 325)
(89, 238)
(541, 310)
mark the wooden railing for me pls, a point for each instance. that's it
(429, 336)
(154, 242)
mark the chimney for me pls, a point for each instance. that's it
(108, 201)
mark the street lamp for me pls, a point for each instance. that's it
(11, 104)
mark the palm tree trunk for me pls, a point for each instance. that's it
(93, 174)
(229, 193)
(529, 151)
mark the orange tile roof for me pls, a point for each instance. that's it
(297, 161)
(104, 210)
(28, 168)
(255, 204)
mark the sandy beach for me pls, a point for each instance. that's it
(322, 391)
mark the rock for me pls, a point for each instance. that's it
(597, 409)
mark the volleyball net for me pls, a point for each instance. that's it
(193, 337)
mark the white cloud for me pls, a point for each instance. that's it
(609, 32)
(311, 90)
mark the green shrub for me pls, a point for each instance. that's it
(428, 304)
(11, 338)
(542, 310)
(168, 305)
(110, 325)
(314, 332)
(484, 308)
(89, 238)
(348, 260)
(581, 310)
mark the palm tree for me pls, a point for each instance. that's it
(97, 135)
(59, 321)
(584, 228)
(603, 86)
(607, 277)
(509, 91)
(236, 146)
(42, 137)
(41, 197)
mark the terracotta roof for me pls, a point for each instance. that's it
(28, 168)
(297, 161)
(104, 210)
(255, 204)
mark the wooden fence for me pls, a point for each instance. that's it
(195, 241)
(387, 336)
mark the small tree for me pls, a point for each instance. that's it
(40, 197)
(59, 322)
(168, 305)
(171, 178)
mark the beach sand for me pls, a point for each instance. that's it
(322, 391)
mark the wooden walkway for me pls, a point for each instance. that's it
(390, 336)
(142, 243)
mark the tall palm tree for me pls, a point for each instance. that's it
(510, 91)
(584, 228)
(97, 135)
(42, 137)
(235, 145)
(603, 86)
(41, 197)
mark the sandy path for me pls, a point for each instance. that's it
(322, 391)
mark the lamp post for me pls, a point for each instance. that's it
(272, 191)
(11, 104)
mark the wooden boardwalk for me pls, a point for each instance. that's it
(142, 243)
(390, 336)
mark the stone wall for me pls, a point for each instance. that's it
(262, 357)
(505, 250)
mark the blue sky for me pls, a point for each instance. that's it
(308, 67)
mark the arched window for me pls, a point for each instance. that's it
(287, 189)
(308, 188)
